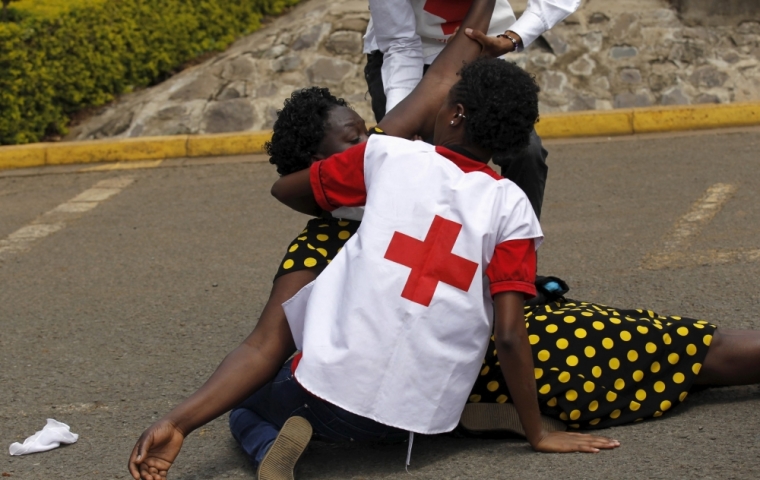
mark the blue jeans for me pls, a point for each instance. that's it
(256, 422)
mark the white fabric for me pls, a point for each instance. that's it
(409, 36)
(542, 15)
(348, 213)
(401, 47)
(52, 435)
(370, 351)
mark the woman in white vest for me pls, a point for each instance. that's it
(395, 328)
(257, 361)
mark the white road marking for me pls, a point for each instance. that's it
(675, 253)
(701, 213)
(50, 222)
(708, 257)
(124, 166)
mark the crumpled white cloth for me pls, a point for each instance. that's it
(51, 436)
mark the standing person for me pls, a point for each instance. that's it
(405, 36)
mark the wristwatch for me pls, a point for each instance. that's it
(514, 38)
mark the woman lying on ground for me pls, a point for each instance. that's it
(730, 360)
(258, 359)
(595, 366)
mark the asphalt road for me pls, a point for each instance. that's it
(127, 307)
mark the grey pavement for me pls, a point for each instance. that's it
(109, 321)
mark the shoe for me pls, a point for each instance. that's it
(495, 417)
(281, 459)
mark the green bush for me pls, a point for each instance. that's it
(51, 67)
(51, 8)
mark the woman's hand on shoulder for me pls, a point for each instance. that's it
(155, 451)
(570, 442)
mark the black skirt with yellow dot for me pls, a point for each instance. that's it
(597, 366)
(317, 244)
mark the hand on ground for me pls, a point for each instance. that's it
(568, 442)
(155, 451)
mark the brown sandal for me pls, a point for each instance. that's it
(281, 459)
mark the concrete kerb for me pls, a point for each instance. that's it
(558, 125)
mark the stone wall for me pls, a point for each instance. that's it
(609, 54)
(720, 12)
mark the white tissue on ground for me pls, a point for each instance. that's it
(51, 436)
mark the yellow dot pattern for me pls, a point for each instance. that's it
(573, 343)
(317, 245)
(597, 366)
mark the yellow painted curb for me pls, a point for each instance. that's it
(695, 117)
(241, 143)
(585, 124)
(22, 156)
(148, 148)
(556, 125)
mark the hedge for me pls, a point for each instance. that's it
(48, 8)
(52, 67)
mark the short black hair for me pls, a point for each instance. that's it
(300, 128)
(501, 104)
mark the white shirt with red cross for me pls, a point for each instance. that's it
(411, 33)
(396, 327)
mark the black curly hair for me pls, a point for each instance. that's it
(501, 104)
(300, 128)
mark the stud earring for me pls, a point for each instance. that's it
(452, 122)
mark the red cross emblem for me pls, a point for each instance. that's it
(431, 261)
(452, 11)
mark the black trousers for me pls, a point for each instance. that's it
(527, 168)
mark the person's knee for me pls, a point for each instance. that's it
(717, 364)
(238, 423)
(718, 340)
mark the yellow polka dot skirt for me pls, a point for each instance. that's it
(597, 366)
(317, 244)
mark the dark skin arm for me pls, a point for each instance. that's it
(516, 362)
(416, 114)
(246, 369)
(258, 359)
(493, 46)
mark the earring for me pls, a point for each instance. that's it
(452, 122)
(461, 115)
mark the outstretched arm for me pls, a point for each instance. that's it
(246, 369)
(516, 362)
(415, 115)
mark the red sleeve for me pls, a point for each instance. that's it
(513, 268)
(338, 181)
(296, 360)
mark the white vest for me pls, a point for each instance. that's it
(379, 339)
(431, 24)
